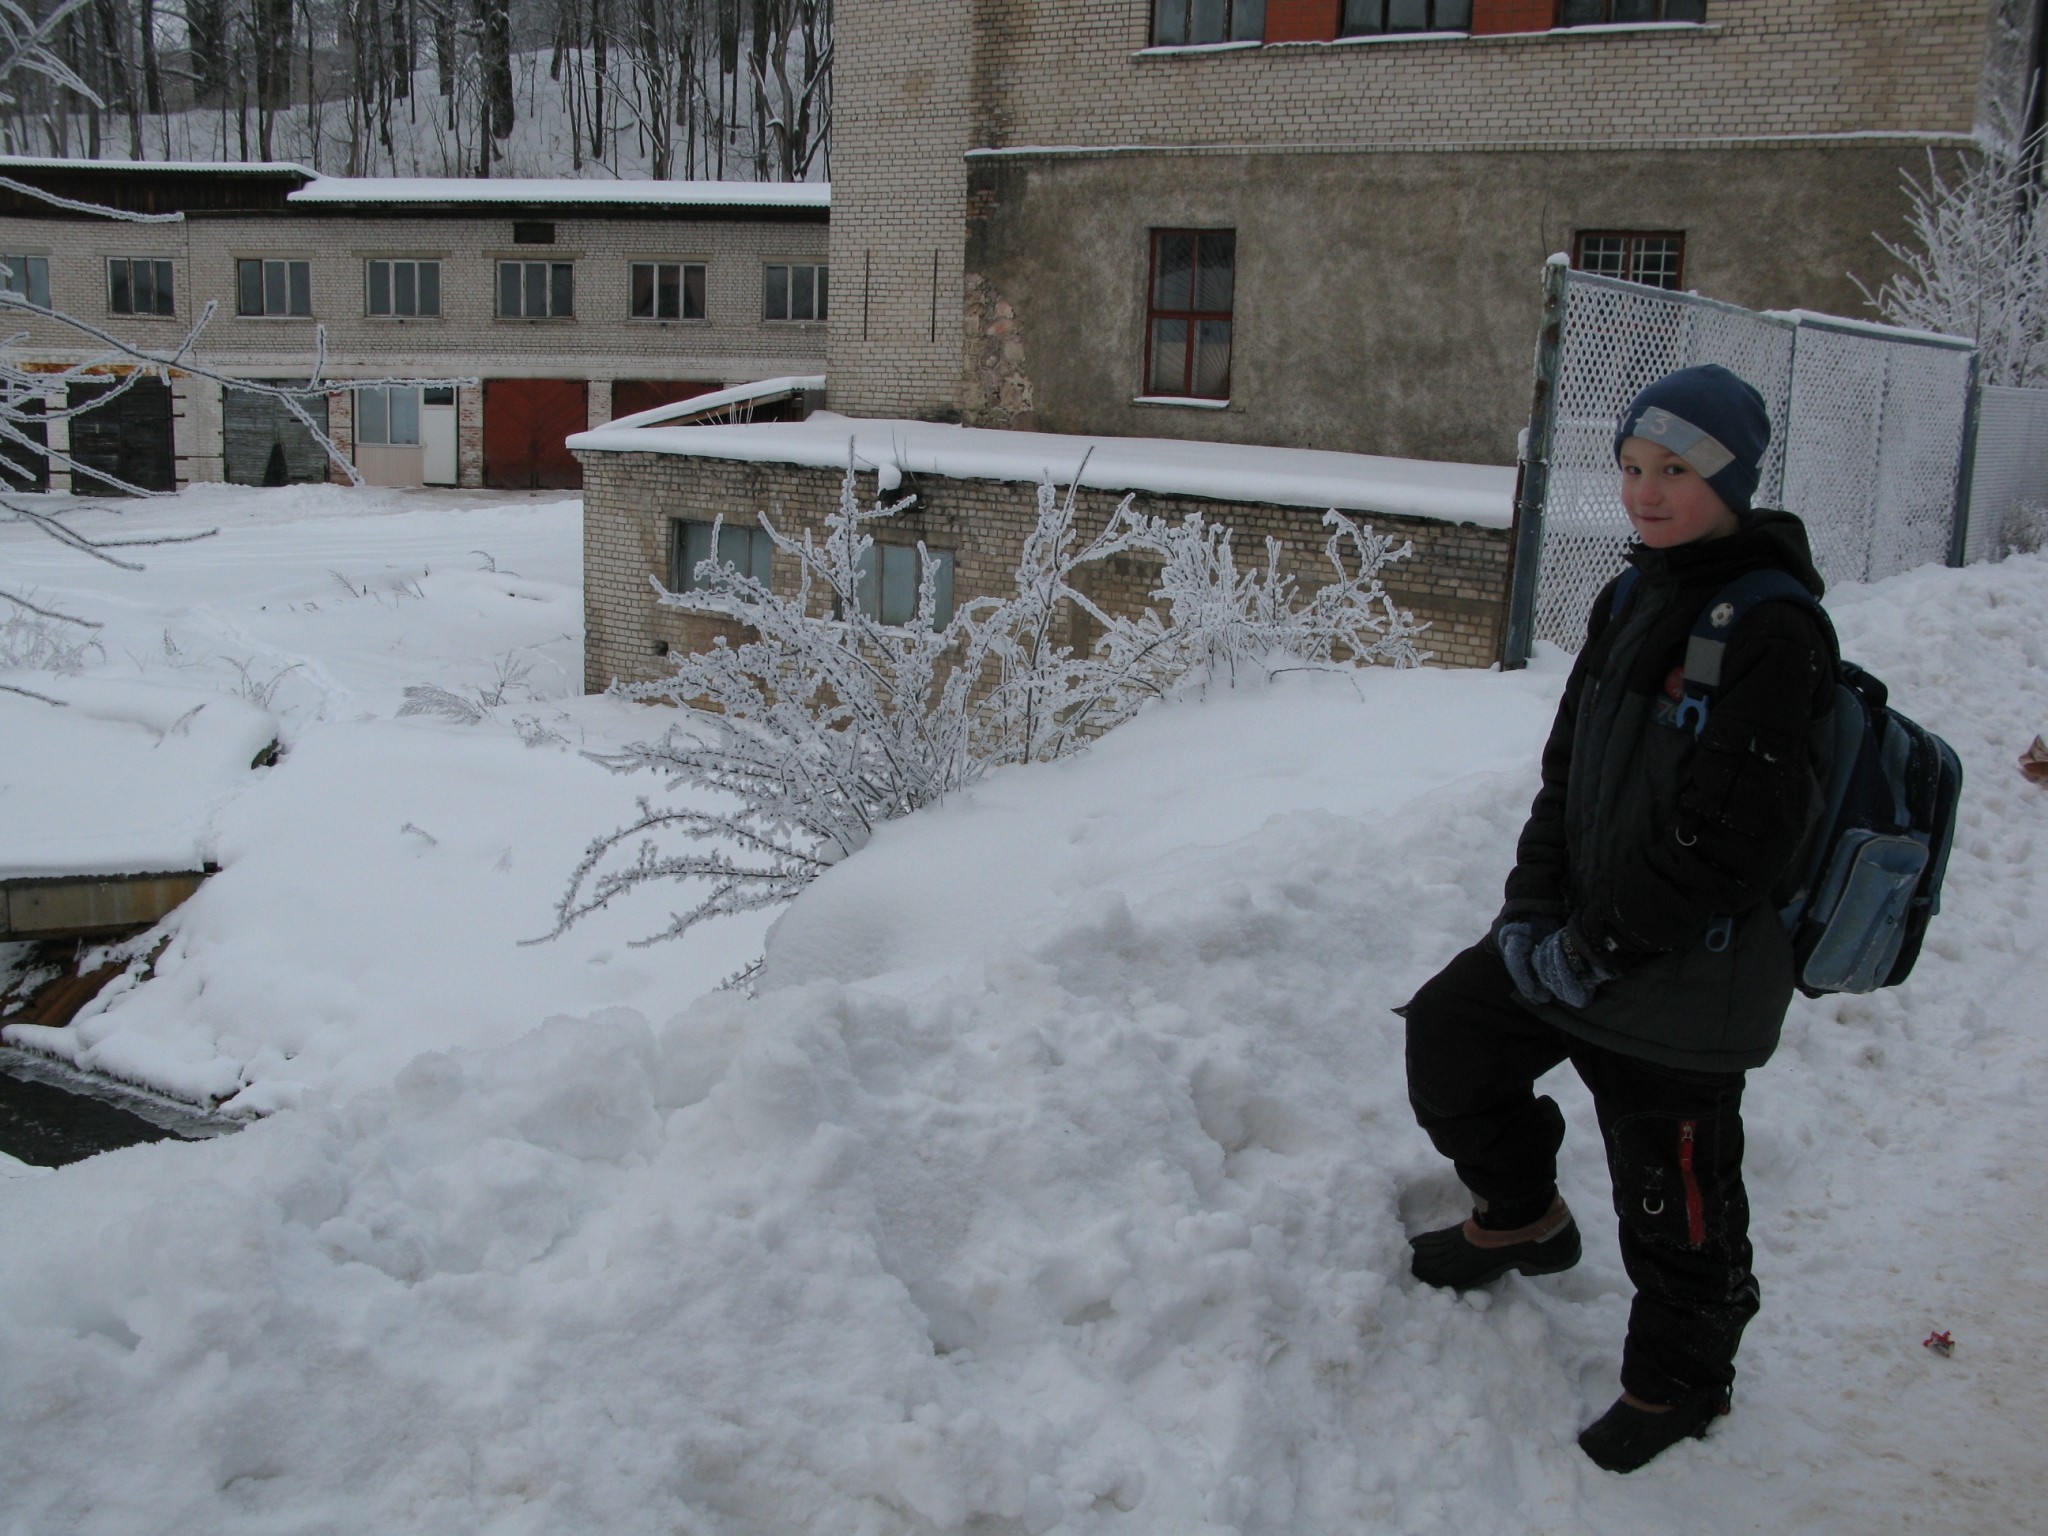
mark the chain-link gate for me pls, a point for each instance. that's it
(2009, 473)
(1866, 434)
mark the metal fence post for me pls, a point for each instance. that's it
(1532, 484)
(1966, 471)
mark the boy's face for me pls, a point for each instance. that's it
(1667, 500)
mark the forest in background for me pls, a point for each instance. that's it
(716, 89)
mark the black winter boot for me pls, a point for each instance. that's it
(1451, 1259)
(1625, 1437)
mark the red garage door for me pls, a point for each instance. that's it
(631, 396)
(525, 421)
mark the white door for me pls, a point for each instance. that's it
(437, 436)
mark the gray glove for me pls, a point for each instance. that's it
(1565, 971)
(1517, 942)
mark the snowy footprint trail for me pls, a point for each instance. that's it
(1058, 1180)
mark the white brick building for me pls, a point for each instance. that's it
(634, 292)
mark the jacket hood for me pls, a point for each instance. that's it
(1766, 534)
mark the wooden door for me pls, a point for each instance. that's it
(263, 443)
(525, 422)
(128, 438)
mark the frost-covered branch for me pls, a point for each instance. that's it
(798, 742)
(1975, 259)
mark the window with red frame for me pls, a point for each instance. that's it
(1187, 321)
(1638, 256)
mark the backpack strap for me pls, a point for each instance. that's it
(1623, 593)
(1717, 624)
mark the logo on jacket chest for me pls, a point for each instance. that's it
(1664, 709)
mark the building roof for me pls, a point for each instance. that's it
(414, 191)
(173, 167)
(1292, 477)
(225, 186)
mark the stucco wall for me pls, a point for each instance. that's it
(1454, 580)
(1386, 303)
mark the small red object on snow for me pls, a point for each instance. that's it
(1940, 1343)
(2034, 761)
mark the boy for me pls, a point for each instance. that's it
(1640, 936)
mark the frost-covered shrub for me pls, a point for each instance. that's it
(797, 743)
(2026, 531)
(39, 640)
(1975, 258)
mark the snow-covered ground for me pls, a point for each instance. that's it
(1058, 1177)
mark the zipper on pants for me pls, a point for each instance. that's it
(1695, 1207)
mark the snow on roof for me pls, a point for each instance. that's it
(124, 779)
(1294, 477)
(212, 167)
(719, 399)
(564, 190)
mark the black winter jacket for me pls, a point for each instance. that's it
(1646, 841)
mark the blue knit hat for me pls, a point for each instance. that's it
(1712, 419)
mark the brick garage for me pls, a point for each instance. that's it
(1454, 580)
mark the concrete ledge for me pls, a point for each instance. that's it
(66, 907)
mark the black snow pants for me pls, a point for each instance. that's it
(1674, 1152)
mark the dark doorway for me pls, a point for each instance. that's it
(128, 438)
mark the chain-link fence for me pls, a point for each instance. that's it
(2008, 499)
(1867, 431)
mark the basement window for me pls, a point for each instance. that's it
(1653, 257)
(747, 550)
(889, 575)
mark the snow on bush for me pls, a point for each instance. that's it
(829, 722)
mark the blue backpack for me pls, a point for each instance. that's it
(1863, 903)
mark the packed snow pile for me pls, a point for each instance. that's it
(105, 776)
(1056, 1180)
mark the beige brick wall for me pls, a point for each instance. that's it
(1454, 580)
(902, 121)
(1079, 72)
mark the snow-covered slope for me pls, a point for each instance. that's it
(1057, 1180)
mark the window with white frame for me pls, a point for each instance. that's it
(747, 550)
(270, 286)
(888, 583)
(1176, 23)
(26, 277)
(1654, 257)
(794, 292)
(388, 416)
(536, 290)
(138, 285)
(403, 287)
(668, 290)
